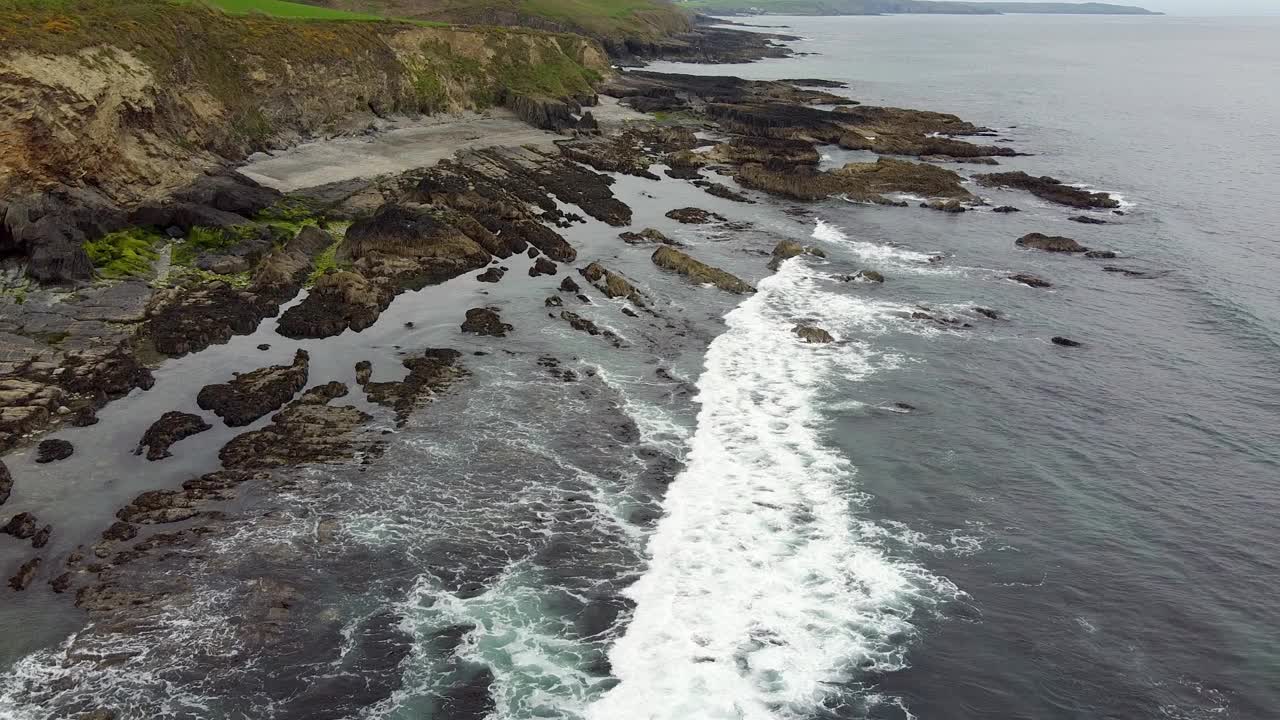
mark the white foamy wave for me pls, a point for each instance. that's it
(884, 255)
(762, 592)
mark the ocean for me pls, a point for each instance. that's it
(919, 520)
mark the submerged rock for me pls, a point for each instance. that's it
(1050, 189)
(987, 313)
(1005, 209)
(1064, 342)
(169, 429)
(485, 321)
(946, 206)
(21, 580)
(787, 249)
(812, 334)
(1086, 220)
(1030, 280)
(1100, 255)
(568, 285)
(1050, 243)
(53, 450)
(871, 276)
(671, 259)
(429, 374)
(255, 394)
(1125, 271)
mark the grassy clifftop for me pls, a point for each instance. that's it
(131, 97)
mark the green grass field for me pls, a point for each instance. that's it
(283, 9)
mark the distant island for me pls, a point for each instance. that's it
(891, 7)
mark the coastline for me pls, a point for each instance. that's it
(761, 142)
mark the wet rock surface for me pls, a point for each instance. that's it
(430, 373)
(647, 236)
(53, 450)
(255, 394)
(694, 216)
(169, 429)
(1050, 189)
(6, 483)
(339, 301)
(1065, 342)
(1030, 280)
(612, 284)
(669, 258)
(307, 430)
(485, 321)
(1050, 243)
(812, 333)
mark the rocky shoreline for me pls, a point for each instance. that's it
(325, 262)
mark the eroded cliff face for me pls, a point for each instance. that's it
(136, 123)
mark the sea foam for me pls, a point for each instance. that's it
(764, 590)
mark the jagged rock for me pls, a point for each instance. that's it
(429, 374)
(255, 394)
(862, 182)
(647, 236)
(694, 216)
(987, 313)
(1030, 280)
(485, 321)
(611, 283)
(581, 324)
(787, 249)
(717, 190)
(411, 245)
(53, 450)
(1050, 243)
(49, 229)
(1065, 342)
(184, 321)
(364, 371)
(6, 483)
(773, 153)
(281, 273)
(1050, 189)
(86, 416)
(532, 253)
(169, 429)
(812, 334)
(307, 430)
(61, 584)
(542, 266)
(568, 285)
(1086, 220)
(947, 206)
(339, 300)
(671, 259)
(870, 276)
(1005, 209)
(264, 347)
(553, 301)
(21, 526)
(492, 275)
(21, 580)
(1100, 255)
(41, 538)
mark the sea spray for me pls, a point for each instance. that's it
(764, 590)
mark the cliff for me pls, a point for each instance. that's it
(907, 7)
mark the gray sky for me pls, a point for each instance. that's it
(1207, 7)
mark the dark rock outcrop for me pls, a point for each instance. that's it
(669, 258)
(338, 301)
(413, 246)
(542, 266)
(1005, 209)
(485, 321)
(53, 450)
(694, 216)
(647, 236)
(1126, 271)
(987, 313)
(1050, 189)
(188, 320)
(429, 374)
(1050, 243)
(1086, 220)
(49, 229)
(612, 284)
(1100, 254)
(6, 483)
(280, 275)
(1065, 342)
(812, 333)
(169, 429)
(492, 275)
(568, 285)
(255, 394)
(21, 579)
(1030, 280)
(21, 526)
(307, 430)
(787, 249)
